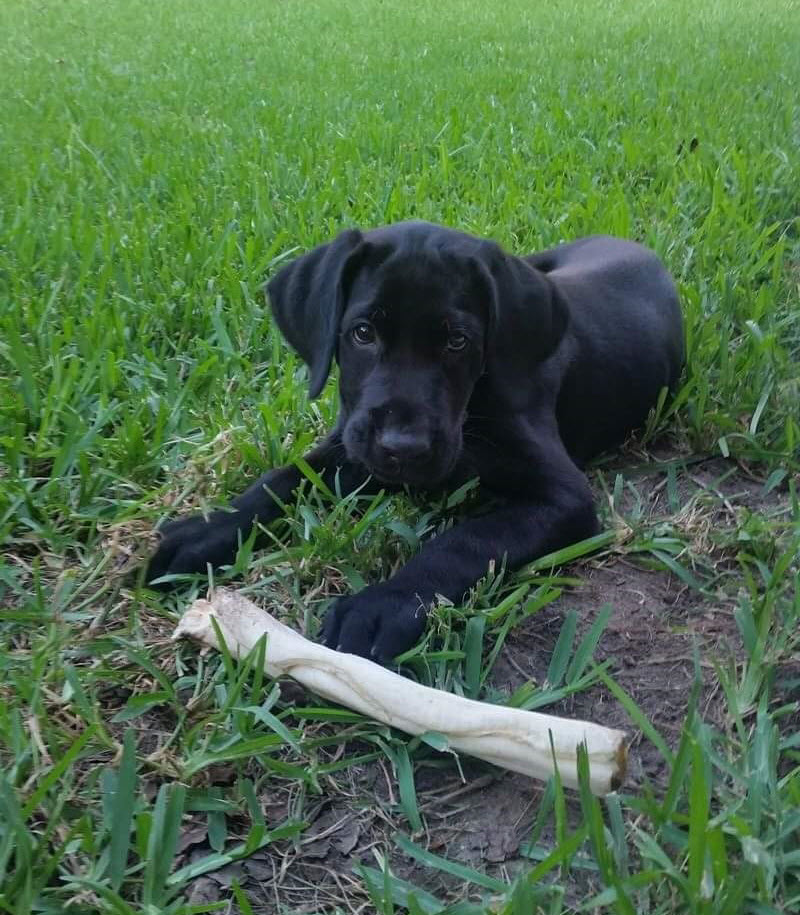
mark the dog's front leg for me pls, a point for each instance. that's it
(553, 508)
(191, 544)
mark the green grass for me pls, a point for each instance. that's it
(157, 160)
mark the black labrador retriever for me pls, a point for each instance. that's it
(459, 361)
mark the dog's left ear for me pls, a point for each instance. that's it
(527, 319)
(308, 299)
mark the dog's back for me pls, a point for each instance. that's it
(624, 341)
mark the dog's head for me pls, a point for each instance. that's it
(415, 314)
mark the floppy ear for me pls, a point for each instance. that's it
(307, 298)
(527, 319)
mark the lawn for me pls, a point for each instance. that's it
(157, 162)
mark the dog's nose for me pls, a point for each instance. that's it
(399, 447)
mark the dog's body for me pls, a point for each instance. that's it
(458, 361)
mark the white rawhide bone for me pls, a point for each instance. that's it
(508, 737)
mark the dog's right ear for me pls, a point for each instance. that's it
(527, 320)
(308, 297)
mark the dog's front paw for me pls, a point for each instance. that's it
(189, 545)
(377, 623)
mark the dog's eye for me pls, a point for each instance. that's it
(363, 333)
(456, 342)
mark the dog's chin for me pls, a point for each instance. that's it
(430, 475)
(415, 479)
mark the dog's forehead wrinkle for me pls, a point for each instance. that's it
(410, 289)
(419, 271)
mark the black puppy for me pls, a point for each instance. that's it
(458, 360)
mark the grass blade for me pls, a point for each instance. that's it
(56, 772)
(636, 714)
(122, 805)
(561, 653)
(461, 871)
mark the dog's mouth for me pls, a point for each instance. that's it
(391, 477)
